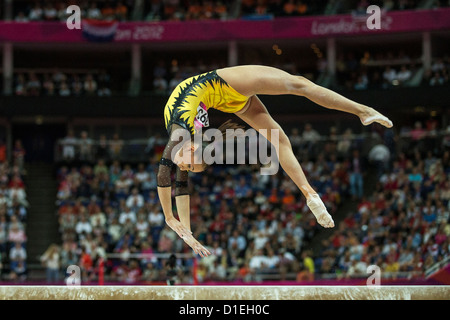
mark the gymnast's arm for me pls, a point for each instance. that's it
(182, 228)
(182, 198)
(165, 190)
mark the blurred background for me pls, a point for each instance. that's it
(82, 131)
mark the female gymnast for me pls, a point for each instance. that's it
(235, 90)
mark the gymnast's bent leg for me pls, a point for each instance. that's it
(256, 116)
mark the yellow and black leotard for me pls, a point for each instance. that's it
(204, 91)
(188, 107)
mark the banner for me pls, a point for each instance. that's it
(214, 30)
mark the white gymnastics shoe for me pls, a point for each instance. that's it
(375, 116)
(316, 205)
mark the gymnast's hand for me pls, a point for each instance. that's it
(196, 246)
(186, 235)
(178, 227)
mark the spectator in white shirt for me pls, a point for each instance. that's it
(115, 230)
(50, 12)
(156, 218)
(69, 143)
(141, 175)
(17, 253)
(273, 261)
(260, 240)
(51, 260)
(83, 226)
(21, 17)
(127, 214)
(94, 12)
(36, 13)
(142, 227)
(404, 74)
(258, 261)
(239, 239)
(135, 200)
(389, 75)
(160, 85)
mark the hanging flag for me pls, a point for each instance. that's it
(99, 30)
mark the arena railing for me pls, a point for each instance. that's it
(273, 274)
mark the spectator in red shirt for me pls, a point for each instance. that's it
(86, 263)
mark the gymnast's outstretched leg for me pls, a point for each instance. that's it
(253, 79)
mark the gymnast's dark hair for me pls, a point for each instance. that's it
(166, 164)
(229, 124)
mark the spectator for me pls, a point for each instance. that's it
(115, 146)
(304, 275)
(83, 226)
(135, 200)
(85, 146)
(90, 85)
(19, 271)
(94, 12)
(380, 156)
(86, 264)
(437, 80)
(114, 231)
(176, 80)
(36, 13)
(33, 86)
(102, 151)
(108, 12)
(51, 260)
(258, 262)
(156, 218)
(21, 86)
(64, 90)
(361, 84)
(127, 214)
(121, 11)
(17, 235)
(356, 175)
(17, 254)
(21, 17)
(389, 75)
(50, 13)
(160, 85)
(48, 86)
(77, 86)
(104, 91)
(310, 137)
(404, 75)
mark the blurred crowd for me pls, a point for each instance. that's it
(403, 225)
(258, 227)
(58, 83)
(84, 148)
(365, 71)
(166, 76)
(388, 70)
(26, 11)
(111, 208)
(176, 10)
(13, 214)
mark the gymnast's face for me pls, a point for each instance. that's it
(187, 160)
